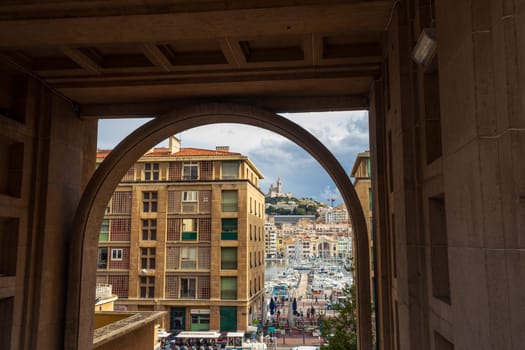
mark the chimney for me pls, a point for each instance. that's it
(174, 144)
(223, 148)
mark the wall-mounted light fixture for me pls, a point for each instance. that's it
(426, 47)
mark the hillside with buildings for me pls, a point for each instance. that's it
(291, 206)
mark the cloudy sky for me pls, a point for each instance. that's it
(344, 133)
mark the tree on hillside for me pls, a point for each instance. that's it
(341, 331)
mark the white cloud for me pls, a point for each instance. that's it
(343, 133)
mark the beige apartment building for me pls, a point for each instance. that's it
(184, 233)
(363, 187)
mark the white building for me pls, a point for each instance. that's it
(344, 247)
(336, 216)
(270, 240)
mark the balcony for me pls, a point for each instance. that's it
(103, 291)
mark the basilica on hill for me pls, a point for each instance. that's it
(276, 190)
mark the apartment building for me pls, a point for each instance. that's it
(336, 215)
(363, 187)
(184, 233)
(270, 239)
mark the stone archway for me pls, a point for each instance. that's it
(84, 244)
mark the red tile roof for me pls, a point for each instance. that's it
(184, 152)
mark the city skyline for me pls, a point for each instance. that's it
(344, 133)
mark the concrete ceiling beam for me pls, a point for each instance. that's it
(276, 104)
(158, 28)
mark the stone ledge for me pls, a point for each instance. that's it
(116, 329)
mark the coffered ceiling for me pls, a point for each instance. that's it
(132, 56)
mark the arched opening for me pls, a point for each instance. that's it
(83, 252)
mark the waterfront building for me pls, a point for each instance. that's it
(336, 215)
(344, 247)
(270, 235)
(311, 246)
(291, 219)
(184, 233)
(280, 245)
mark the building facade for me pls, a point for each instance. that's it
(270, 243)
(363, 187)
(184, 233)
(336, 215)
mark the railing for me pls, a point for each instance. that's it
(104, 291)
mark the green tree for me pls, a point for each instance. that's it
(341, 331)
(299, 211)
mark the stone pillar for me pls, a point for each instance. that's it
(382, 240)
(56, 157)
(482, 70)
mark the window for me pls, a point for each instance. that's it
(104, 231)
(149, 201)
(229, 288)
(189, 229)
(120, 229)
(121, 202)
(200, 322)
(229, 201)
(204, 287)
(187, 288)
(189, 196)
(230, 170)
(149, 229)
(130, 174)
(116, 254)
(189, 201)
(204, 229)
(229, 229)
(190, 171)
(203, 258)
(147, 286)
(151, 171)
(102, 261)
(147, 258)
(229, 258)
(188, 258)
(120, 285)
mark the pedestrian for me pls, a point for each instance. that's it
(316, 300)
